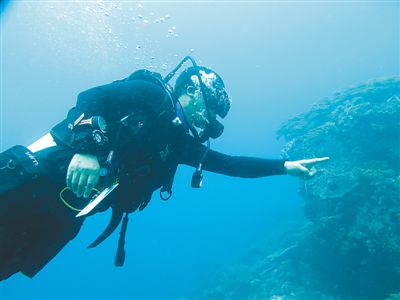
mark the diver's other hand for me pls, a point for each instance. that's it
(83, 174)
(303, 168)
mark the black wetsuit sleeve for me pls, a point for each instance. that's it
(113, 102)
(89, 103)
(237, 166)
(92, 102)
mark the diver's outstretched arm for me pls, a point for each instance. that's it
(242, 166)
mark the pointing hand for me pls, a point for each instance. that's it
(304, 167)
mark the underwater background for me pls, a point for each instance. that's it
(277, 59)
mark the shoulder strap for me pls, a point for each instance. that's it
(156, 78)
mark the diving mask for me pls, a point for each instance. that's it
(195, 110)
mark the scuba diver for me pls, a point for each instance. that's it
(118, 145)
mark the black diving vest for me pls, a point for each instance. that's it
(121, 207)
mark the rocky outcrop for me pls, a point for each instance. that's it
(354, 202)
(350, 249)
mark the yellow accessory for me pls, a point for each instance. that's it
(69, 205)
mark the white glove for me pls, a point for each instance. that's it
(302, 167)
(83, 174)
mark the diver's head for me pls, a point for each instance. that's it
(202, 101)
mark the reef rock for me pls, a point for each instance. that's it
(350, 248)
(353, 244)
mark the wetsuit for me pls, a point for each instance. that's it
(37, 225)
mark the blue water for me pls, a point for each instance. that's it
(276, 58)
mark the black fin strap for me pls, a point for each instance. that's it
(120, 255)
(114, 222)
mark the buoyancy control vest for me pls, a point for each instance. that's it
(120, 211)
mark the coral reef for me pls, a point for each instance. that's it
(350, 248)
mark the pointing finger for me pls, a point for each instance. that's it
(312, 160)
